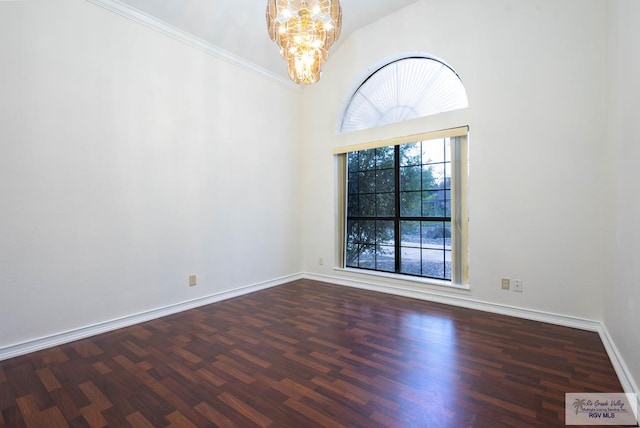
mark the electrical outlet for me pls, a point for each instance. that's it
(517, 285)
(506, 283)
(192, 280)
(320, 261)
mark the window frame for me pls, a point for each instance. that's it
(459, 211)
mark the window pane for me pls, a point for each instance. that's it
(436, 264)
(367, 160)
(410, 177)
(410, 204)
(367, 256)
(386, 204)
(353, 233)
(385, 157)
(410, 154)
(447, 265)
(433, 151)
(447, 202)
(352, 161)
(446, 184)
(352, 255)
(367, 231)
(367, 182)
(410, 260)
(434, 234)
(433, 203)
(447, 149)
(386, 258)
(352, 185)
(433, 176)
(410, 233)
(385, 180)
(385, 233)
(447, 234)
(433, 263)
(353, 206)
(368, 205)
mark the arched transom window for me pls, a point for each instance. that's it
(404, 89)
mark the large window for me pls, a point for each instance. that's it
(402, 202)
(404, 209)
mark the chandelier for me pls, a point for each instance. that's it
(304, 31)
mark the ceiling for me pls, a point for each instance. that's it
(239, 26)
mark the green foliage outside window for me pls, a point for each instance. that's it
(402, 190)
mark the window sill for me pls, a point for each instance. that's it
(407, 278)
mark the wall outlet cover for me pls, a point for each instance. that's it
(517, 285)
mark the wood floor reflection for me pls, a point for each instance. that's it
(309, 354)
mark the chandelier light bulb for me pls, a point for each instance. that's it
(304, 32)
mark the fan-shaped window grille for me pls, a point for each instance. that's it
(404, 89)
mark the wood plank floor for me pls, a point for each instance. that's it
(309, 354)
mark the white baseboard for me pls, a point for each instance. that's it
(456, 299)
(624, 375)
(628, 383)
(106, 326)
(626, 379)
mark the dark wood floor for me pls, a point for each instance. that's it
(310, 354)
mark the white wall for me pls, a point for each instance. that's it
(535, 79)
(622, 303)
(127, 162)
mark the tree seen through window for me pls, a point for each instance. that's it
(399, 209)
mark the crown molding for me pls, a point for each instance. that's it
(175, 33)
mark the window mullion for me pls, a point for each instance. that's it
(396, 222)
